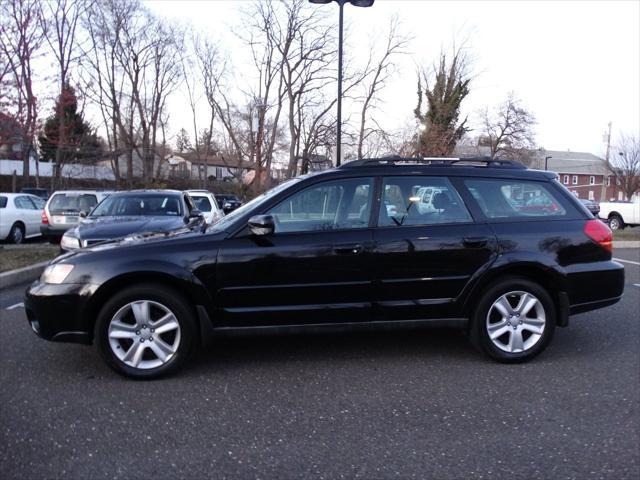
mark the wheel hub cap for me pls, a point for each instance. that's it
(144, 334)
(516, 321)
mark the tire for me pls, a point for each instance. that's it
(534, 327)
(16, 234)
(616, 222)
(122, 324)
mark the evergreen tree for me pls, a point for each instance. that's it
(67, 132)
(444, 89)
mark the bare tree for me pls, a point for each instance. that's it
(105, 24)
(148, 58)
(20, 40)
(60, 20)
(378, 72)
(444, 86)
(626, 165)
(202, 72)
(508, 129)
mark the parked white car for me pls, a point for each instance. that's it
(20, 216)
(621, 214)
(206, 203)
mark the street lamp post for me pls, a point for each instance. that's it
(421, 128)
(546, 160)
(341, 3)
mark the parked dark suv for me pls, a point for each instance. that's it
(352, 247)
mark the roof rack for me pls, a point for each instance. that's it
(435, 162)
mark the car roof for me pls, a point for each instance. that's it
(199, 192)
(464, 166)
(148, 191)
(21, 194)
(57, 192)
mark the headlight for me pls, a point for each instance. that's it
(69, 242)
(56, 274)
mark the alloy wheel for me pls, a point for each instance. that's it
(144, 334)
(516, 321)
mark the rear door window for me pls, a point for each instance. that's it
(507, 198)
(24, 203)
(3, 202)
(420, 200)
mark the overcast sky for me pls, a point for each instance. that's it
(574, 64)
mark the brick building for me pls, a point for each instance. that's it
(585, 174)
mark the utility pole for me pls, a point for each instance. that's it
(603, 194)
(608, 135)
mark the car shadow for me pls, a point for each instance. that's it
(380, 346)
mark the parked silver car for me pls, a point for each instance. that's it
(63, 210)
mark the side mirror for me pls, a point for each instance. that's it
(262, 225)
(227, 207)
(82, 214)
(196, 215)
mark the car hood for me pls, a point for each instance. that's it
(115, 227)
(170, 240)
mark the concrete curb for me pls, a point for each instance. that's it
(626, 244)
(21, 275)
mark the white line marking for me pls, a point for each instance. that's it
(626, 261)
(17, 305)
(636, 284)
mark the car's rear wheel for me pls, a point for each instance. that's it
(145, 331)
(514, 321)
(16, 234)
(615, 222)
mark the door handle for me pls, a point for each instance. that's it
(474, 241)
(348, 249)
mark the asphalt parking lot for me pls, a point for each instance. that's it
(410, 404)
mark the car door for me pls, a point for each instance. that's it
(315, 267)
(424, 258)
(26, 210)
(35, 214)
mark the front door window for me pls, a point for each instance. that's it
(335, 205)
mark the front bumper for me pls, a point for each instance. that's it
(58, 312)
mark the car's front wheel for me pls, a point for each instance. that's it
(514, 321)
(145, 331)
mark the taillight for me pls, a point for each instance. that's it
(45, 219)
(600, 233)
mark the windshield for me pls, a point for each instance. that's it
(256, 202)
(202, 203)
(139, 205)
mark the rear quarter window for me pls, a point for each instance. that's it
(3, 202)
(518, 199)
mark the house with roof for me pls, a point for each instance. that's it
(586, 175)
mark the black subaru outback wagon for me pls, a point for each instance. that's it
(504, 252)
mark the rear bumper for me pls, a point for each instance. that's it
(54, 232)
(594, 285)
(56, 312)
